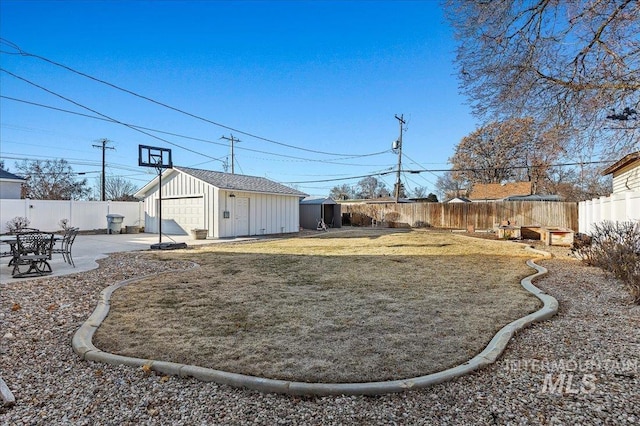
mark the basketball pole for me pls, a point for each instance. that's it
(159, 205)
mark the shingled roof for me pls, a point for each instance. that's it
(498, 191)
(5, 175)
(233, 182)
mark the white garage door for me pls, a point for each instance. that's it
(181, 215)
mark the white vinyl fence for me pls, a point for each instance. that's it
(86, 215)
(621, 207)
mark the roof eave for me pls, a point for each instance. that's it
(624, 161)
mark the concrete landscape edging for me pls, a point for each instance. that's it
(82, 344)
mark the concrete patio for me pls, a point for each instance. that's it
(89, 248)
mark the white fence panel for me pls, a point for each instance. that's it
(86, 215)
(621, 207)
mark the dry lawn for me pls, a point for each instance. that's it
(349, 306)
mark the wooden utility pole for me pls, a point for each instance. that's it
(231, 139)
(397, 146)
(104, 147)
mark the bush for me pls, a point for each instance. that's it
(391, 217)
(421, 224)
(614, 247)
(17, 223)
(64, 224)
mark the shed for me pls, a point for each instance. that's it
(626, 173)
(226, 205)
(10, 185)
(312, 209)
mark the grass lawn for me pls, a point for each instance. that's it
(349, 306)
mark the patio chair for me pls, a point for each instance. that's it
(26, 230)
(33, 249)
(65, 246)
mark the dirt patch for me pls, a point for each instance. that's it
(354, 306)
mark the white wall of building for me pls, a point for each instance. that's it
(10, 189)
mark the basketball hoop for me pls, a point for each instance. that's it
(159, 159)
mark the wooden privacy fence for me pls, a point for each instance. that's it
(482, 215)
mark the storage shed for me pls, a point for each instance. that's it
(626, 173)
(312, 209)
(10, 185)
(226, 205)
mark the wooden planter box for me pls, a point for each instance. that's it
(509, 232)
(557, 236)
(132, 229)
(199, 234)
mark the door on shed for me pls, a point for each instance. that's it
(181, 215)
(242, 216)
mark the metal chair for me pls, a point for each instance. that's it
(65, 245)
(33, 249)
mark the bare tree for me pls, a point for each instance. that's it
(342, 192)
(370, 187)
(51, 180)
(419, 192)
(451, 185)
(513, 150)
(118, 188)
(572, 64)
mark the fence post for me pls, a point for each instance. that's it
(27, 209)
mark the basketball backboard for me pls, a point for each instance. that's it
(151, 156)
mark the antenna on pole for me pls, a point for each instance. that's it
(397, 146)
(231, 139)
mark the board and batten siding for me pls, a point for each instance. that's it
(268, 213)
(179, 185)
(627, 179)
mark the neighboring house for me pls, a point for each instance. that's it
(379, 200)
(626, 173)
(498, 191)
(534, 197)
(312, 209)
(227, 205)
(458, 200)
(10, 185)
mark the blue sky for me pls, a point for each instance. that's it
(321, 76)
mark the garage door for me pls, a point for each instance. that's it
(181, 215)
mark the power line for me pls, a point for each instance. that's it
(104, 115)
(104, 147)
(451, 170)
(24, 53)
(203, 140)
(232, 141)
(75, 161)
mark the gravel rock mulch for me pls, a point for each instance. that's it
(581, 367)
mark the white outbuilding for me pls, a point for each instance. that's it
(226, 205)
(10, 185)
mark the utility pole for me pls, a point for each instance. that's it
(104, 147)
(397, 146)
(231, 140)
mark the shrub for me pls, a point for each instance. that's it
(64, 224)
(421, 224)
(614, 247)
(391, 217)
(17, 223)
